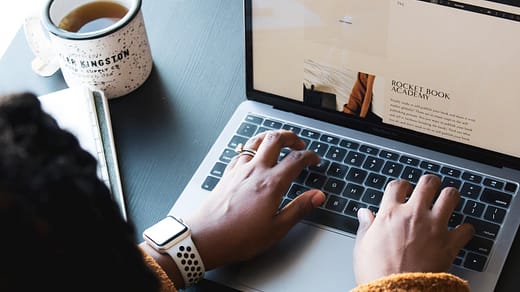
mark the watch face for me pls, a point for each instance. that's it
(165, 230)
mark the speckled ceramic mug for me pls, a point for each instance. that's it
(115, 59)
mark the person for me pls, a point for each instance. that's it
(62, 231)
(361, 99)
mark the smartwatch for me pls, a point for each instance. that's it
(171, 236)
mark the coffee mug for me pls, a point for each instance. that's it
(98, 44)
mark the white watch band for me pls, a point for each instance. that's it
(188, 260)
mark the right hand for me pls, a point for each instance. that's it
(409, 236)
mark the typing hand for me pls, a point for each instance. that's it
(409, 236)
(240, 218)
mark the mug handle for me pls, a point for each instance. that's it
(46, 61)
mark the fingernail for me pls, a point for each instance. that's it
(363, 214)
(318, 199)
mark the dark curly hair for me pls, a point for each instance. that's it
(61, 231)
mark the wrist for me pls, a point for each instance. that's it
(171, 237)
(166, 263)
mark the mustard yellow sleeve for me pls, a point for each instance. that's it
(166, 283)
(424, 282)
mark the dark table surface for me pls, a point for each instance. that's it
(163, 130)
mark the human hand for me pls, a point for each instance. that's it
(241, 217)
(409, 236)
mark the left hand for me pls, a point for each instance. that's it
(241, 217)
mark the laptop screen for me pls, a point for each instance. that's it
(429, 72)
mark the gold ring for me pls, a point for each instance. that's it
(244, 151)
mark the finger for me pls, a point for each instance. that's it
(231, 165)
(425, 191)
(272, 144)
(445, 204)
(395, 193)
(299, 208)
(294, 162)
(365, 217)
(252, 144)
(460, 236)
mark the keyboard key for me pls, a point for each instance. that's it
(320, 167)
(272, 124)
(472, 177)
(261, 130)
(310, 134)
(474, 208)
(475, 262)
(375, 181)
(336, 153)
(356, 175)
(494, 214)
(247, 129)
(455, 220)
(236, 140)
(450, 182)
(389, 155)
(353, 191)
(254, 120)
(349, 144)
(315, 180)
(510, 187)
(480, 245)
(496, 198)
(319, 147)
(369, 149)
(327, 218)
(227, 155)
(210, 183)
(450, 171)
(373, 164)
(296, 190)
(353, 207)
(430, 166)
(493, 183)
(470, 190)
(409, 160)
(336, 204)
(292, 128)
(355, 158)
(307, 142)
(334, 186)
(392, 169)
(337, 170)
(483, 228)
(218, 169)
(372, 197)
(329, 139)
(412, 174)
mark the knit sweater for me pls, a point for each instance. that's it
(424, 282)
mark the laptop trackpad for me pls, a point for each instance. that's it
(308, 259)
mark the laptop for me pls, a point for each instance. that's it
(381, 90)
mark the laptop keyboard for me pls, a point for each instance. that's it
(354, 175)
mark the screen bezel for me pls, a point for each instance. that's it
(385, 130)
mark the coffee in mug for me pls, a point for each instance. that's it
(93, 16)
(99, 44)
